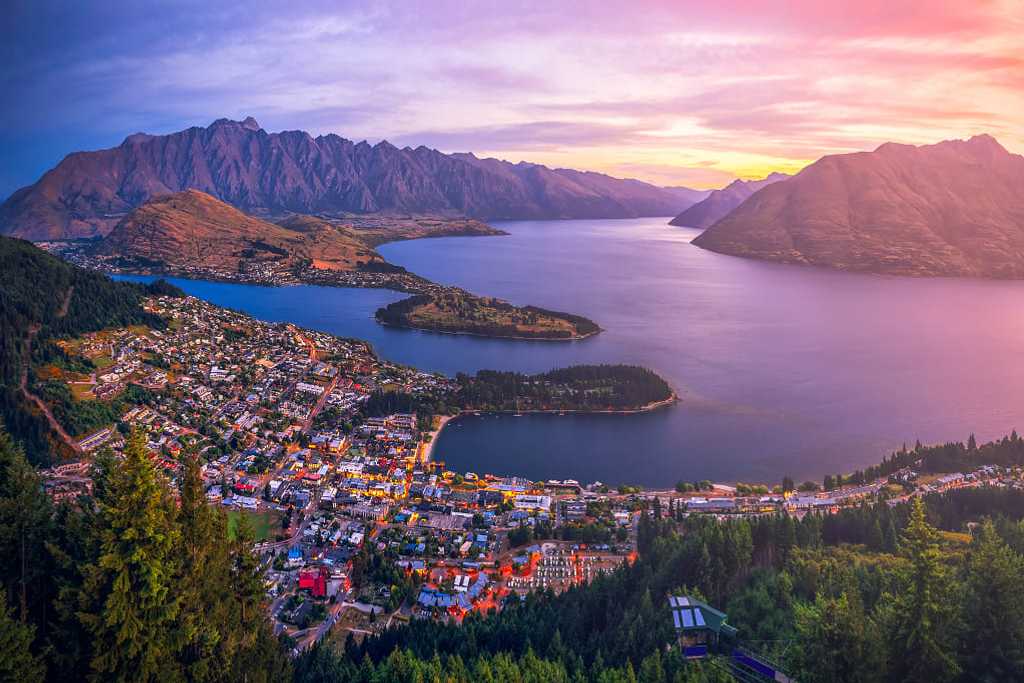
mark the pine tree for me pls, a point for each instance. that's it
(836, 640)
(258, 656)
(204, 573)
(993, 644)
(132, 579)
(17, 663)
(876, 539)
(922, 615)
(26, 524)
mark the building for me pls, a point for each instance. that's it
(314, 579)
(698, 625)
(574, 509)
(532, 502)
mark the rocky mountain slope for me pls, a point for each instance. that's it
(292, 172)
(953, 208)
(719, 203)
(191, 228)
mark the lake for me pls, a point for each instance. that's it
(782, 370)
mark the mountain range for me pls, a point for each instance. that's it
(271, 174)
(953, 208)
(719, 203)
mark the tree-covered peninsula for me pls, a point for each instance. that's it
(458, 312)
(583, 388)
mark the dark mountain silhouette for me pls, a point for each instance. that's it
(272, 174)
(953, 208)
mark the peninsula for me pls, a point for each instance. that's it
(459, 312)
(194, 235)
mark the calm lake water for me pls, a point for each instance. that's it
(782, 369)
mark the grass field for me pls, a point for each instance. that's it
(82, 392)
(266, 523)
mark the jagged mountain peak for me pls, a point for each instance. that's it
(291, 172)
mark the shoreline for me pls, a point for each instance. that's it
(579, 337)
(297, 283)
(647, 408)
(427, 454)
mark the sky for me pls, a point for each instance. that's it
(675, 93)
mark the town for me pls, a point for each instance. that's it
(358, 523)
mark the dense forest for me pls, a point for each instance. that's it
(579, 387)
(952, 456)
(127, 584)
(42, 298)
(872, 594)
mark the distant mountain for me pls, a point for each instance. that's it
(720, 202)
(193, 229)
(689, 195)
(953, 208)
(292, 172)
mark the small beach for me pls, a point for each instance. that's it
(428, 451)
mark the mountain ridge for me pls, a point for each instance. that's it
(269, 174)
(719, 203)
(954, 208)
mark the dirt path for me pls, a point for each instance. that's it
(33, 330)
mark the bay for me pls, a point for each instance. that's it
(782, 370)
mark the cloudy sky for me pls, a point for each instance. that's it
(688, 93)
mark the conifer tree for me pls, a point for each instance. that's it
(26, 523)
(204, 573)
(258, 656)
(135, 602)
(836, 640)
(993, 644)
(17, 663)
(922, 615)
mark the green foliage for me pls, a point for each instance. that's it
(921, 618)
(17, 663)
(132, 579)
(26, 522)
(579, 387)
(482, 316)
(43, 298)
(82, 417)
(993, 609)
(125, 585)
(838, 643)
